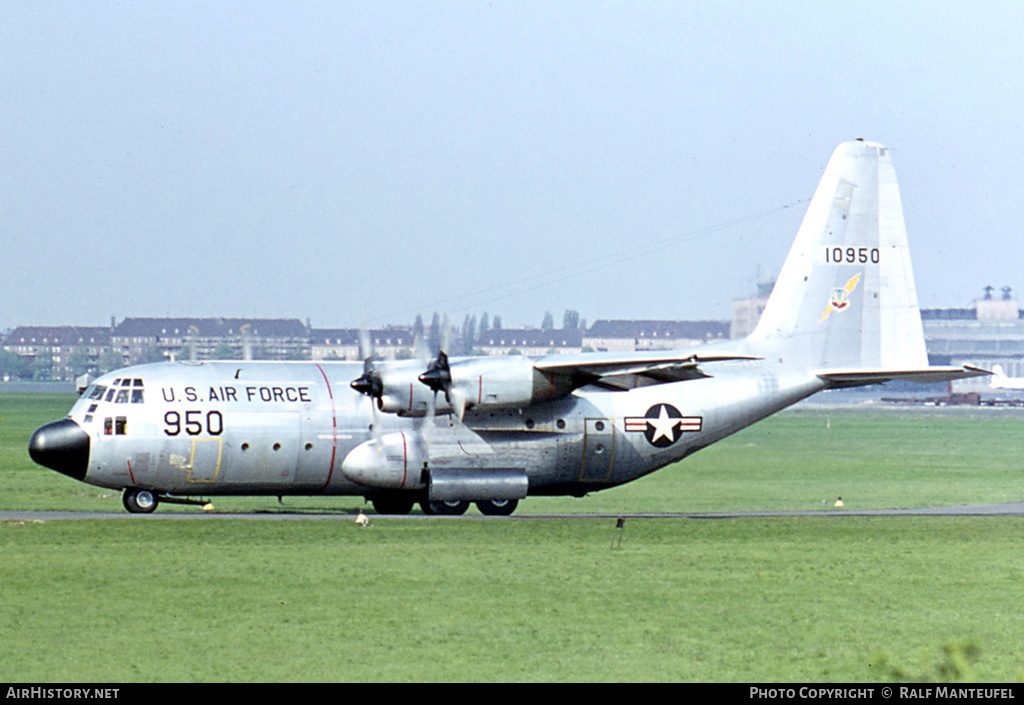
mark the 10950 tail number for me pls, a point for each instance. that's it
(194, 423)
(852, 255)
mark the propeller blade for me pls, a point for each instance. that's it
(457, 399)
(446, 335)
(422, 350)
(365, 345)
(423, 427)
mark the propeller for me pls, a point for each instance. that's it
(369, 383)
(439, 378)
(429, 377)
(439, 373)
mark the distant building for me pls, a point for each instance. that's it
(606, 335)
(747, 312)
(152, 339)
(343, 343)
(529, 341)
(991, 333)
(59, 352)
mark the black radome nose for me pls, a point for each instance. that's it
(62, 446)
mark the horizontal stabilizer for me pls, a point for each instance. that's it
(928, 375)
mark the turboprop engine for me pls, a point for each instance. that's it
(457, 385)
(396, 388)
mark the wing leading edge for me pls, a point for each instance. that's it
(625, 372)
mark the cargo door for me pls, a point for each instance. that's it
(205, 462)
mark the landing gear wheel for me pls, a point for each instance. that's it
(139, 501)
(447, 508)
(392, 504)
(497, 507)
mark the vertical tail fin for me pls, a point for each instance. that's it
(845, 297)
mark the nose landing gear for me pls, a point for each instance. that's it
(138, 501)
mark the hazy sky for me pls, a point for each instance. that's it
(368, 161)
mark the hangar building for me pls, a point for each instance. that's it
(989, 334)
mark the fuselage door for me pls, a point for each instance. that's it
(598, 450)
(205, 463)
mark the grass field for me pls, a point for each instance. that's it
(783, 599)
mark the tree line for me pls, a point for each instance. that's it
(474, 331)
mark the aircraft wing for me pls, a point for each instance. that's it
(928, 375)
(628, 371)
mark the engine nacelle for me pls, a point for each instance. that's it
(395, 461)
(476, 383)
(410, 399)
(503, 383)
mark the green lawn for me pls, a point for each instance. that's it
(810, 600)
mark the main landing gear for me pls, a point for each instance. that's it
(392, 504)
(449, 508)
(497, 507)
(400, 505)
(488, 507)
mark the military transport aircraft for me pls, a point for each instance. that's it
(999, 380)
(493, 430)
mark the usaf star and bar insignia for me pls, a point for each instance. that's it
(663, 425)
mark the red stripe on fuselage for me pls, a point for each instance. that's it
(405, 460)
(334, 426)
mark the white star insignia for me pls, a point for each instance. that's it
(664, 425)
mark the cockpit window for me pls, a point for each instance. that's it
(116, 426)
(121, 391)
